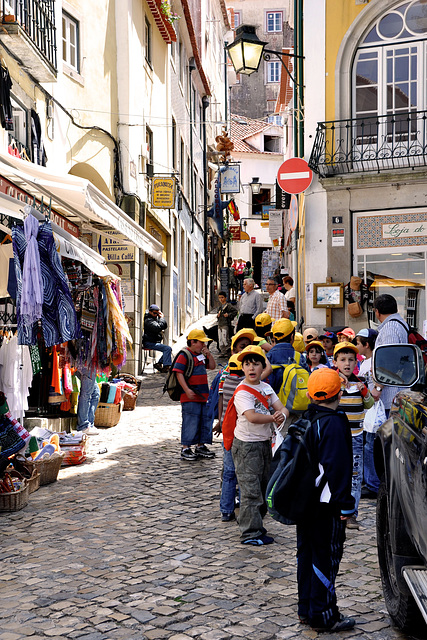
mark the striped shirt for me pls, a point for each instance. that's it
(354, 405)
(229, 387)
(391, 332)
(198, 381)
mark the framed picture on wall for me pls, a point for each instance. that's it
(328, 295)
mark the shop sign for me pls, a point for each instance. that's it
(276, 224)
(113, 249)
(253, 240)
(163, 192)
(338, 237)
(121, 270)
(405, 229)
(14, 192)
(235, 232)
(127, 287)
(230, 179)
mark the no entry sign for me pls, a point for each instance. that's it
(294, 175)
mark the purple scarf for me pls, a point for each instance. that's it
(32, 285)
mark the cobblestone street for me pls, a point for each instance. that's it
(130, 546)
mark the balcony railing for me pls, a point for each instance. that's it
(37, 19)
(373, 143)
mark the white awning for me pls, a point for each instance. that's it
(68, 245)
(77, 197)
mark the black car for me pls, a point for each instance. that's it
(401, 463)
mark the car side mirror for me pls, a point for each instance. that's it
(398, 365)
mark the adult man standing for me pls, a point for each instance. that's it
(276, 306)
(392, 330)
(250, 306)
(154, 325)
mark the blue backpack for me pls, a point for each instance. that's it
(213, 398)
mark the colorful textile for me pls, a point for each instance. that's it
(32, 285)
(59, 321)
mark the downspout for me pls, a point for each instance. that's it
(205, 105)
(191, 68)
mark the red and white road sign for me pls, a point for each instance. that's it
(294, 175)
(293, 213)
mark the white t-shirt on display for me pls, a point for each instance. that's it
(245, 401)
(365, 373)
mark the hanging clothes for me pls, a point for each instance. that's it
(32, 286)
(39, 153)
(59, 320)
(6, 114)
(16, 374)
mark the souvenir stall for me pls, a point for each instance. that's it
(67, 317)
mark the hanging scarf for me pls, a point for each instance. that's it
(32, 284)
(116, 320)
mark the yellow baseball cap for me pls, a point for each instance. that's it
(249, 350)
(282, 328)
(345, 345)
(263, 319)
(234, 363)
(298, 344)
(243, 333)
(198, 334)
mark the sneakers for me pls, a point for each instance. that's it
(158, 367)
(203, 452)
(352, 523)
(343, 624)
(228, 517)
(91, 431)
(367, 494)
(165, 369)
(188, 454)
(259, 542)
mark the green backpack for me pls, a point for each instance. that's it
(172, 386)
(293, 390)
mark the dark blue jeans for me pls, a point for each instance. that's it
(229, 483)
(166, 359)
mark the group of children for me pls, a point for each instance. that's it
(338, 384)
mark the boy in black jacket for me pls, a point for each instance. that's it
(321, 539)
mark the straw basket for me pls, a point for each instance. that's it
(48, 469)
(107, 415)
(15, 500)
(34, 481)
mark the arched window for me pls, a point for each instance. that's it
(390, 66)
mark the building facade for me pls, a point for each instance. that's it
(365, 139)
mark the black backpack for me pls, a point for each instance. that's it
(291, 492)
(172, 386)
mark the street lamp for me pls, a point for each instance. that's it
(255, 186)
(246, 50)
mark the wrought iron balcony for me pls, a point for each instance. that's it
(28, 30)
(373, 143)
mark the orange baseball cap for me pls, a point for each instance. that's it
(323, 384)
(348, 333)
(345, 345)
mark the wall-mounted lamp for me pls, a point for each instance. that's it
(255, 185)
(223, 250)
(246, 50)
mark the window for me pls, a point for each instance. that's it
(196, 272)
(276, 119)
(181, 164)
(149, 143)
(274, 21)
(181, 64)
(70, 42)
(273, 70)
(260, 199)
(237, 19)
(19, 116)
(273, 144)
(148, 41)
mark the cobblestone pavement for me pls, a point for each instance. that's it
(130, 546)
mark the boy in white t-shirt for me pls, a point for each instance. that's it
(251, 447)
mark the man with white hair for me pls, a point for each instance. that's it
(250, 305)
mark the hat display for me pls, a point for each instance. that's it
(348, 333)
(234, 364)
(345, 345)
(263, 320)
(251, 349)
(198, 334)
(367, 333)
(243, 333)
(153, 307)
(314, 343)
(282, 328)
(310, 334)
(323, 384)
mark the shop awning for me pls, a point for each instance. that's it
(77, 198)
(68, 245)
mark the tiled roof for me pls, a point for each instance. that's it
(243, 128)
(284, 97)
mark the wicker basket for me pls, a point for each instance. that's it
(32, 477)
(129, 400)
(127, 377)
(34, 481)
(15, 500)
(48, 469)
(107, 415)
